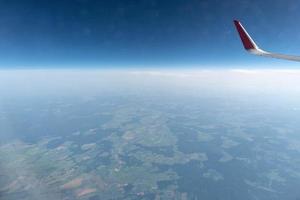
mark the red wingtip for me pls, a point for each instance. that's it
(246, 39)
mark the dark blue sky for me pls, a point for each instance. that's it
(144, 33)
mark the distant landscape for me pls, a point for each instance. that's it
(185, 136)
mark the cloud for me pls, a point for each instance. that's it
(95, 82)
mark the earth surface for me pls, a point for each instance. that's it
(146, 135)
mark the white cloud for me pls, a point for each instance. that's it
(257, 81)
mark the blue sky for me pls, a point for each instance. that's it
(144, 33)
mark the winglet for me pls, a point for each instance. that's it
(247, 41)
(252, 48)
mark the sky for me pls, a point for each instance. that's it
(145, 33)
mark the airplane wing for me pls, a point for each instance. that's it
(252, 48)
